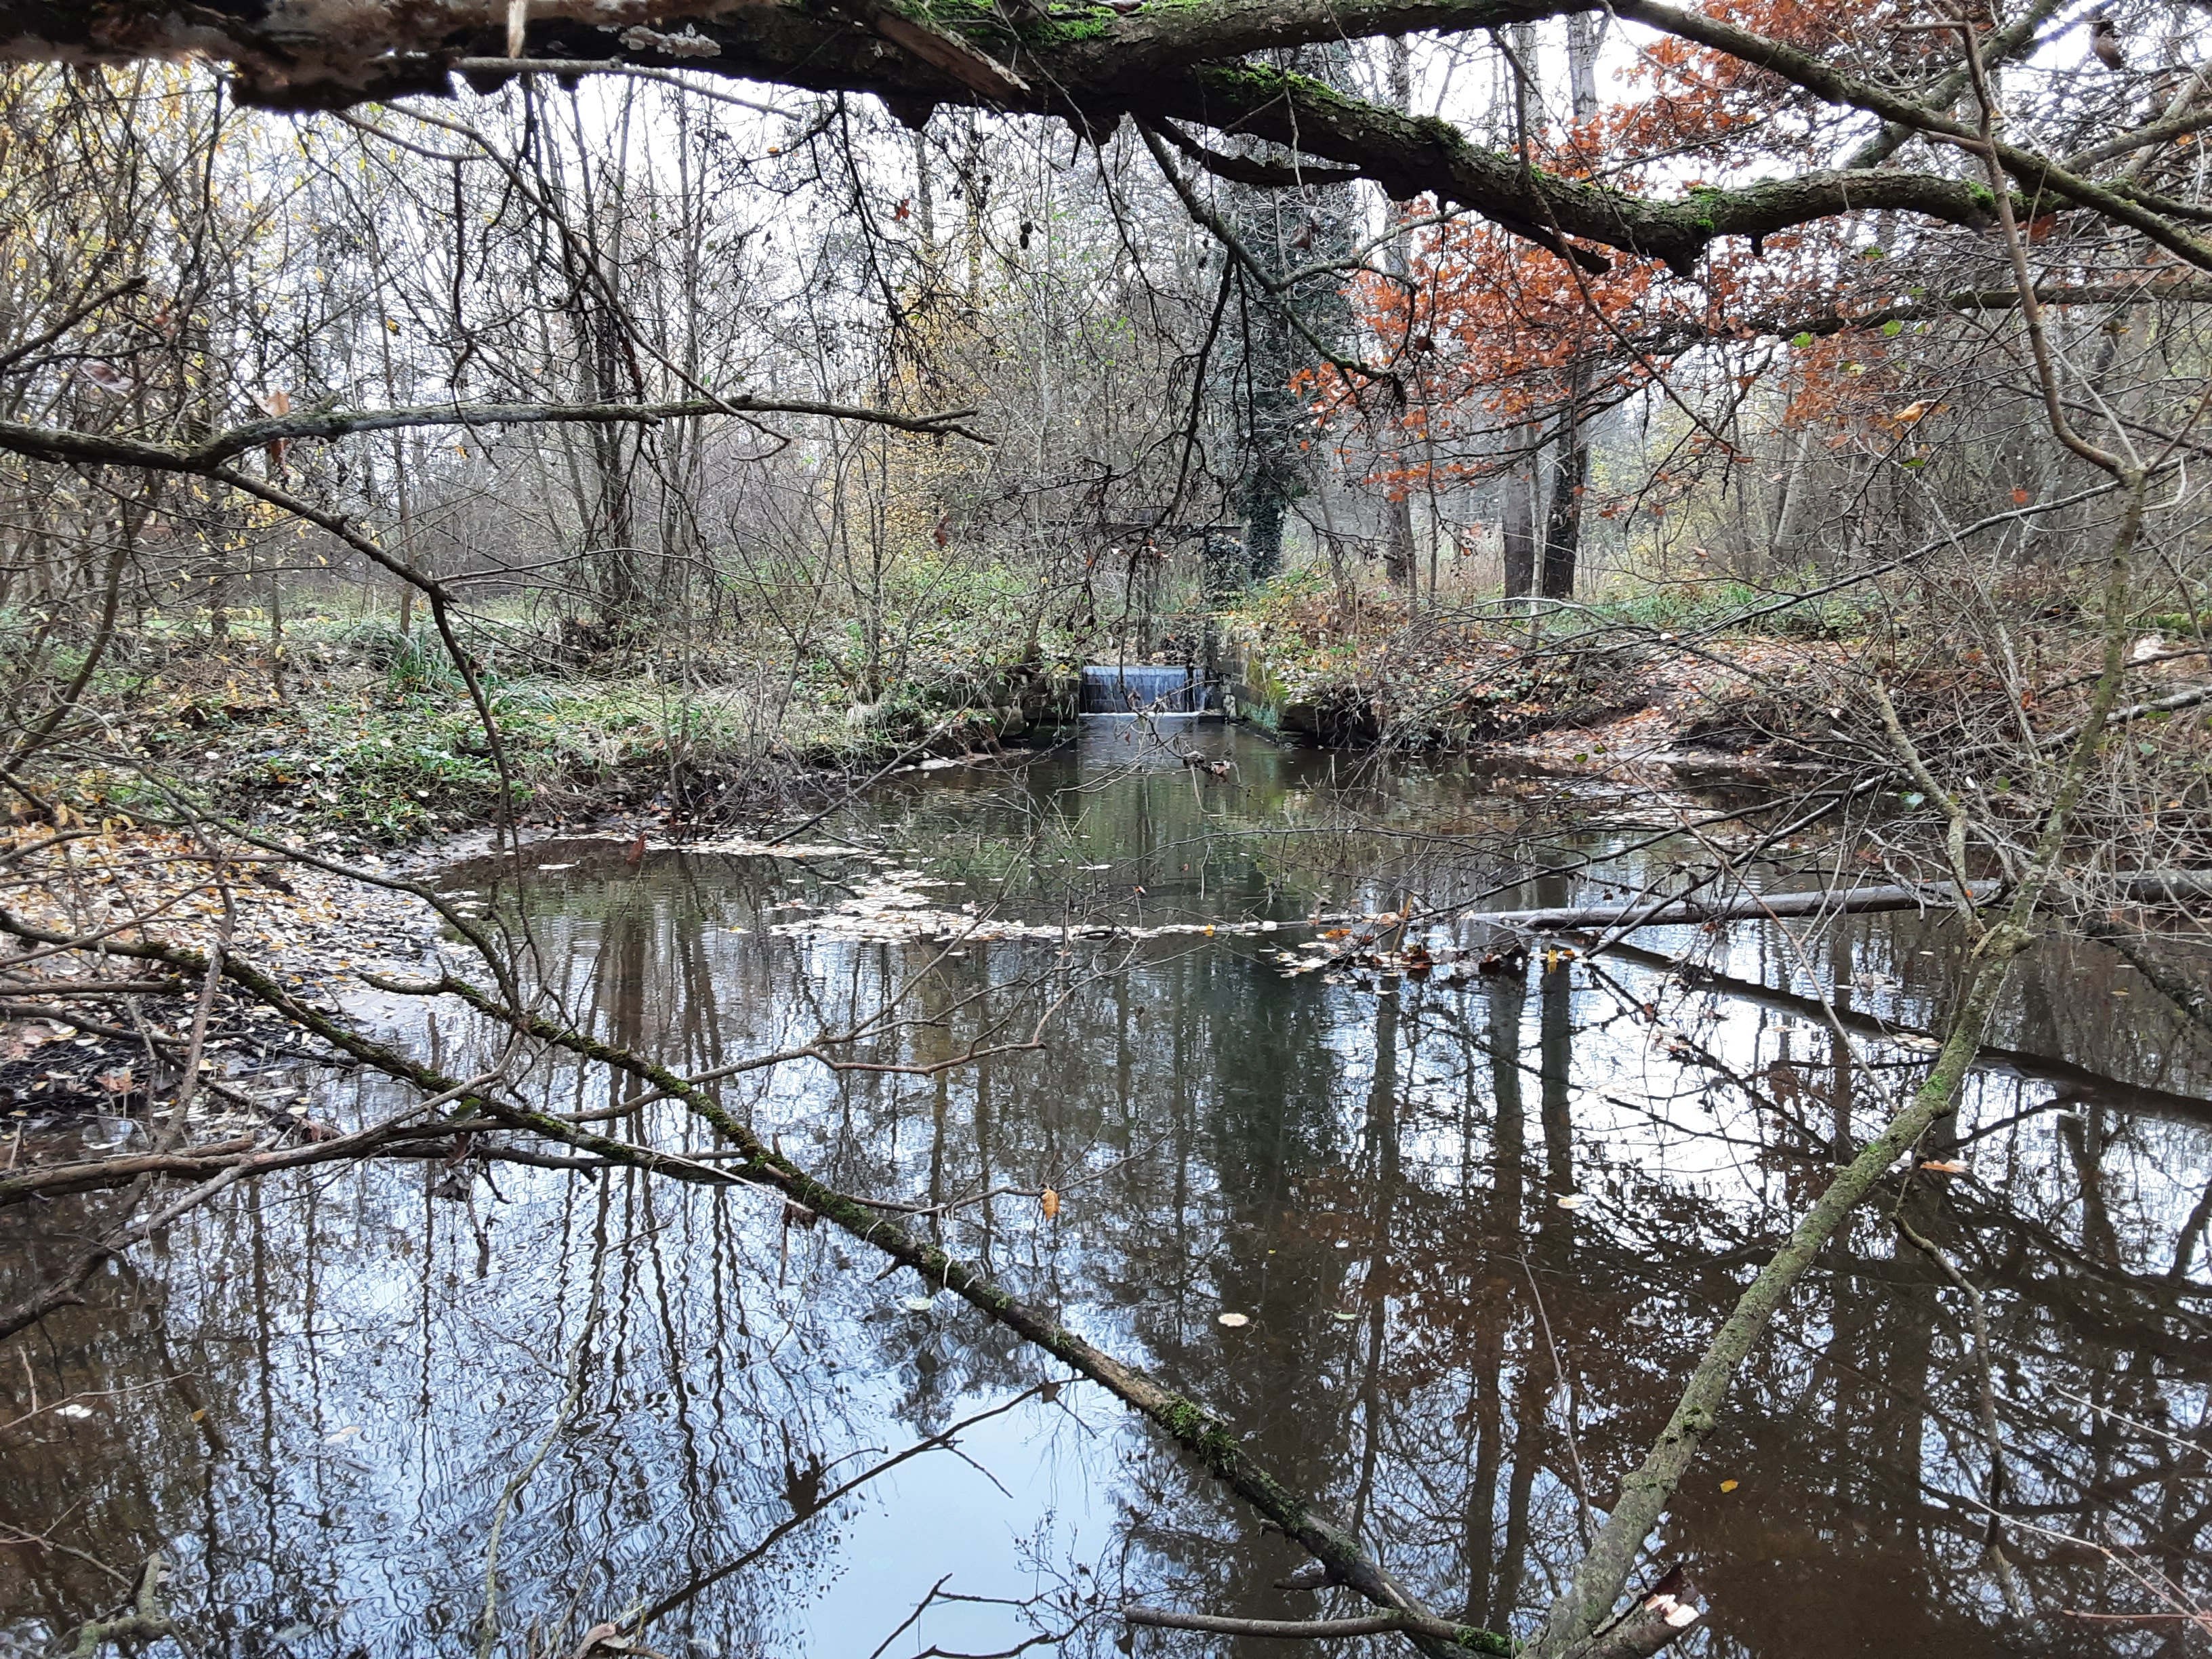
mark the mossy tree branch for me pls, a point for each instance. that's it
(1182, 60)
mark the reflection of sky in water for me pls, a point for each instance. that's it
(1349, 1169)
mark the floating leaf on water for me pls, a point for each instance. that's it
(918, 1304)
(1944, 1166)
(1572, 1201)
(1345, 1318)
(1233, 1320)
(1729, 1486)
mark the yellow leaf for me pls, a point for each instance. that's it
(1728, 1486)
(1049, 1200)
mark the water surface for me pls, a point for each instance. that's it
(312, 1396)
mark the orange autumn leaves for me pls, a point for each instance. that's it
(1485, 331)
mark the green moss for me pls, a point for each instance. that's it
(1183, 1420)
(1075, 28)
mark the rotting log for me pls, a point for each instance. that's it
(2173, 886)
(1749, 907)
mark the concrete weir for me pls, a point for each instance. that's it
(1111, 689)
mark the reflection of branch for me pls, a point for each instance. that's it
(2153, 1580)
(937, 1593)
(1379, 1624)
(572, 1396)
(1198, 1431)
(2187, 998)
(1009, 1190)
(776, 1534)
(62, 1291)
(1999, 1483)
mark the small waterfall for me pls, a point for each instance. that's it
(1142, 688)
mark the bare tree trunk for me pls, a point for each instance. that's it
(1563, 524)
(975, 187)
(1522, 483)
(1520, 490)
(1398, 559)
(1585, 29)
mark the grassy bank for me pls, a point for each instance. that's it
(356, 733)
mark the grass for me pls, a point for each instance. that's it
(377, 741)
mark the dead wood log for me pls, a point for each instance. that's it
(2172, 886)
(1750, 906)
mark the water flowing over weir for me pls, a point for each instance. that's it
(1143, 688)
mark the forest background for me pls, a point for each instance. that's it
(1117, 397)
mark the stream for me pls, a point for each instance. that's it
(1471, 1230)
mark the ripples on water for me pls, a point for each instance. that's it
(311, 1395)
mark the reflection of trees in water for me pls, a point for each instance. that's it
(1225, 1141)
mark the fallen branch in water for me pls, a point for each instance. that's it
(1662, 1617)
(1301, 1630)
(2174, 886)
(143, 1620)
(1748, 907)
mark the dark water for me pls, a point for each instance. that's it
(312, 1396)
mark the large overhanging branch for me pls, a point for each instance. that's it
(1091, 65)
(1413, 155)
(68, 445)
